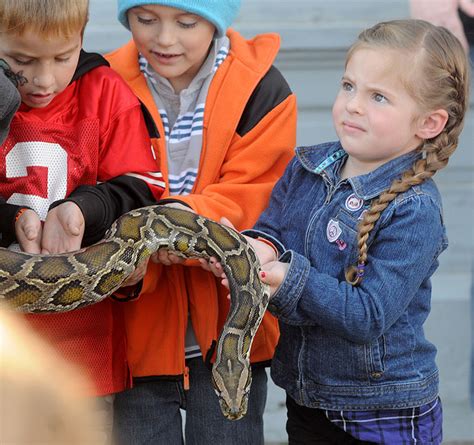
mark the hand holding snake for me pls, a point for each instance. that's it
(63, 282)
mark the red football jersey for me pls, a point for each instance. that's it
(91, 132)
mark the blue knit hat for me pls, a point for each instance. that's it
(221, 13)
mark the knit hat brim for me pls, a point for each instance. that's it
(221, 13)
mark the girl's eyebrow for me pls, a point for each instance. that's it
(370, 86)
(346, 78)
(379, 89)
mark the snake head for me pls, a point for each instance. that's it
(233, 412)
(232, 389)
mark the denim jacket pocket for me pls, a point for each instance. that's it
(375, 355)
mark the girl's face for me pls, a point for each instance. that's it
(174, 42)
(41, 68)
(375, 117)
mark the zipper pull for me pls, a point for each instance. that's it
(186, 378)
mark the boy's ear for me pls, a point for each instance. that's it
(432, 124)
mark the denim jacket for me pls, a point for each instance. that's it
(344, 347)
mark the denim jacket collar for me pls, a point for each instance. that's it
(329, 158)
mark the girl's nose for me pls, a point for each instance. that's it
(354, 105)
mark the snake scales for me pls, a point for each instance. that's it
(58, 283)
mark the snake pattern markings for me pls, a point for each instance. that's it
(64, 282)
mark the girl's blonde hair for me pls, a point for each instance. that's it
(437, 78)
(48, 18)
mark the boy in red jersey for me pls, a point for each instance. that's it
(78, 154)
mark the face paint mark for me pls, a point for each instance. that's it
(16, 78)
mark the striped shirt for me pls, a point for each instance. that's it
(420, 425)
(182, 115)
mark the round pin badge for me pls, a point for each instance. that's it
(354, 203)
(333, 230)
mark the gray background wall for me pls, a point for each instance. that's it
(315, 35)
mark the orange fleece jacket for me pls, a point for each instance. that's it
(236, 175)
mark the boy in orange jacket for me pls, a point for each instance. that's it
(225, 129)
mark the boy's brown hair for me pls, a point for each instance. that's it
(48, 18)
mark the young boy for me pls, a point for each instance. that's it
(78, 124)
(226, 122)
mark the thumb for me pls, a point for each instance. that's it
(272, 274)
(268, 277)
(73, 228)
(31, 232)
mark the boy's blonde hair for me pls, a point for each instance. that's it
(437, 77)
(48, 18)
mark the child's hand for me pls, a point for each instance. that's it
(273, 274)
(137, 275)
(164, 256)
(264, 252)
(28, 231)
(213, 266)
(63, 229)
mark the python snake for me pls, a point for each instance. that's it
(63, 282)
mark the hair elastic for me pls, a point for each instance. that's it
(360, 270)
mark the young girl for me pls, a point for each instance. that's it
(359, 227)
(225, 130)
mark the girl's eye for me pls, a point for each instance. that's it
(62, 59)
(346, 86)
(187, 25)
(379, 98)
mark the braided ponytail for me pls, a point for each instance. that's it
(442, 81)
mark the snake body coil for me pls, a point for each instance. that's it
(63, 282)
